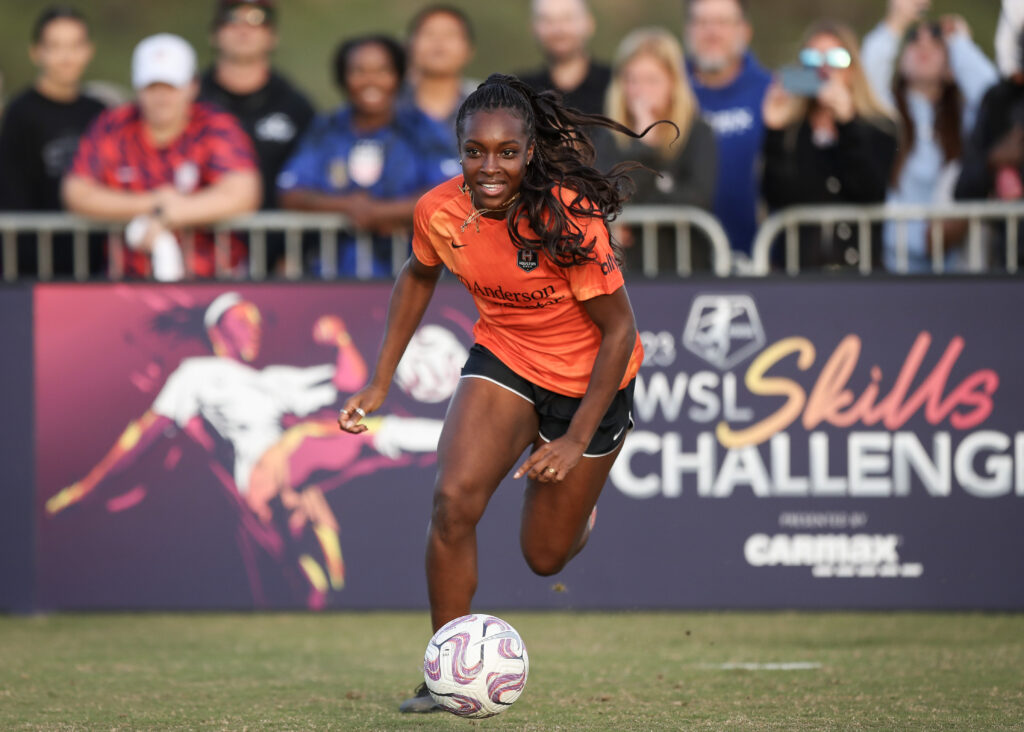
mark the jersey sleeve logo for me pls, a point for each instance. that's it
(527, 260)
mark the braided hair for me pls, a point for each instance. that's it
(563, 158)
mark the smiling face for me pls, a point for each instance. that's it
(371, 79)
(495, 152)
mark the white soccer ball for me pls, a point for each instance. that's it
(432, 365)
(476, 666)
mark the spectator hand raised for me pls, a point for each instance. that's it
(780, 108)
(903, 13)
(835, 96)
(954, 25)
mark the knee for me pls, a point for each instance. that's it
(545, 561)
(455, 513)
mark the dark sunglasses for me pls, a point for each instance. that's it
(934, 29)
(834, 58)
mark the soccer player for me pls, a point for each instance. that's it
(556, 353)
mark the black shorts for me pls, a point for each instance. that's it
(555, 410)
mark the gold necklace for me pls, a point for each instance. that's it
(478, 212)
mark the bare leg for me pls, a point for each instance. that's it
(555, 515)
(486, 430)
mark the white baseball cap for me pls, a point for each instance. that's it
(163, 58)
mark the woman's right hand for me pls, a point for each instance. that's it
(365, 401)
(780, 108)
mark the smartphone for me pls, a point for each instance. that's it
(801, 81)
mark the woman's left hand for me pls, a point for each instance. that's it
(552, 461)
(836, 97)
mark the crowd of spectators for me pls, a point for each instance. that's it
(915, 113)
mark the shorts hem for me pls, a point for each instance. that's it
(593, 454)
(498, 383)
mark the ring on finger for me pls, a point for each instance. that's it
(552, 470)
(360, 411)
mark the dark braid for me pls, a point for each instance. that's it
(563, 157)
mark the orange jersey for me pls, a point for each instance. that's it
(531, 316)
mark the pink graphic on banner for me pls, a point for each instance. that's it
(230, 400)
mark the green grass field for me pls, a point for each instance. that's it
(590, 671)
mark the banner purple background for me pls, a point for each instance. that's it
(659, 541)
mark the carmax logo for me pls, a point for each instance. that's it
(832, 555)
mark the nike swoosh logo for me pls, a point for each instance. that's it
(458, 246)
(617, 434)
(504, 634)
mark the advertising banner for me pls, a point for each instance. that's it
(813, 444)
(827, 444)
(16, 439)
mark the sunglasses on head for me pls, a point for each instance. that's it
(834, 58)
(247, 15)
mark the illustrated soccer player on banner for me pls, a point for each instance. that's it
(222, 397)
(557, 350)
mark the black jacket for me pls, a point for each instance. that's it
(855, 169)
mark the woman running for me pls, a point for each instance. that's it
(557, 350)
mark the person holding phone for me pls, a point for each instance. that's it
(828, 142)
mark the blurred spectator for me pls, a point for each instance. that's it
(563, 28)
(649, 84)
(271, 110)
(835, 145)
(440, 46)
(993, 160)
(369, 159)
(941, 76)
(1011, 20)
(42, 125)
(165, 163)
(730, 85)
(39, 133)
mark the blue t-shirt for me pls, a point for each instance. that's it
(734, 113)
(407, 157)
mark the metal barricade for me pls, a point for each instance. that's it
(299, 229)
(684, 219)
(292, 226)
(788, 222)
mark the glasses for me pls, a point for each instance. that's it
(247, 15)
(934, 29)
(834, 58)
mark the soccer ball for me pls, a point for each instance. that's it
(432, 365)
(476, 666)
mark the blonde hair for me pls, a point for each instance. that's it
(663, 47)
(867, 104)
